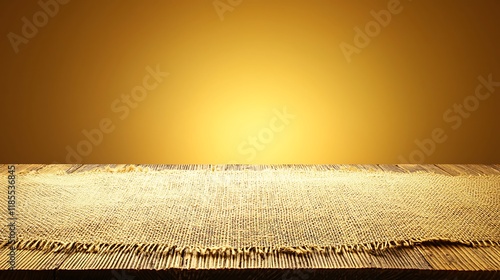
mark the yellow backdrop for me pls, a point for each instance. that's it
(250, 81)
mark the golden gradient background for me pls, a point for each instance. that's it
(227, 76)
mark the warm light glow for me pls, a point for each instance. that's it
(228, 77)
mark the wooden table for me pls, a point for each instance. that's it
(418, 262)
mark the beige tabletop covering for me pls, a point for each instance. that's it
(235, 210)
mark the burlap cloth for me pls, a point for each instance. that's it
(287, 209)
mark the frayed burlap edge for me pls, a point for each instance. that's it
(147, 249)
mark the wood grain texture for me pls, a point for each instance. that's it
(419, 257)
(410, 262)
(412, 167)
(434, 169)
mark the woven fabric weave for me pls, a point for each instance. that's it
(273, 209)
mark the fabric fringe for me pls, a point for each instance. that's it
(147, 249)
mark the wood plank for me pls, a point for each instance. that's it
(452, 170)
(55, 168)
(87, 167)
(391, 168)
(4, 168)
(402, 258)
(156, 167)
(74, 168)
(466, 170)
(489, 169)
(345, 167)
(25, 168)
(477, 169)
(435, 258)
(447, 257)
(370, 167)
(33, 260)
(452, 257)
(434, 169)
(495, 166)
(27, 275)
(412, 168)
(490, 255)
(98, 167)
